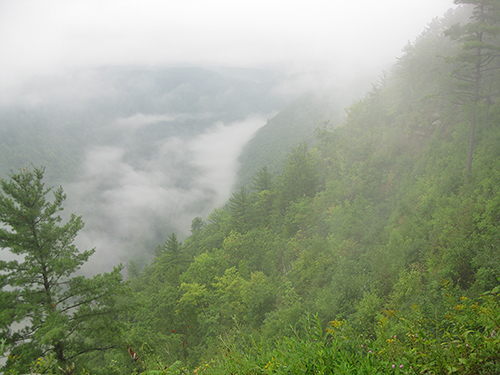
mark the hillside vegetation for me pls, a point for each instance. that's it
(290, 127)
(375, 251)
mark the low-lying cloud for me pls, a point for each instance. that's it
(41, 37)
(131, 207)
(140, 120)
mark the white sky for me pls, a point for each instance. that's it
(47, 36)
(350, 37)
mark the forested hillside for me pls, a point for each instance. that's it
(374, 251)
(293, 125)
(54, 120)
(134, 146)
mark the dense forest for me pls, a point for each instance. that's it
(374, 250)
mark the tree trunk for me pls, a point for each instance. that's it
(477, 83)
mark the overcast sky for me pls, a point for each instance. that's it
(39, 37)
(52, 35)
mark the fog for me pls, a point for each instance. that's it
(133, 195)
(348, 37)
(133, 207)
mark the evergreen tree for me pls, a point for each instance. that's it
(197, 225)
(262, 180)
(239, 207)
(170, 260)
(299, 177)
(479, 50)
(59, 314)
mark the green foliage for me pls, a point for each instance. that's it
(292, 126)
(361, 231)
(263, 180)
(309, 350)
(463, 340)
(299, 177)
(47, 310)
(239, 207)
(477, 71)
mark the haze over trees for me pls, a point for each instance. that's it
(478, 59)
(373, 250)
(128, 141)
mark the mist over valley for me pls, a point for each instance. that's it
(140, 152)
(264, 187)
(145, 131)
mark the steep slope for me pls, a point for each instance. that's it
(373, 233)
(373, 229)
(290, 127)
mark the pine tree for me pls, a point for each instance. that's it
(299, 177)
(480, 49)
(262, 180)
(239, 207)
(170, 260)
(58, 313)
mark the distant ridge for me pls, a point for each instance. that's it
(55, 119)
(290, 127)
